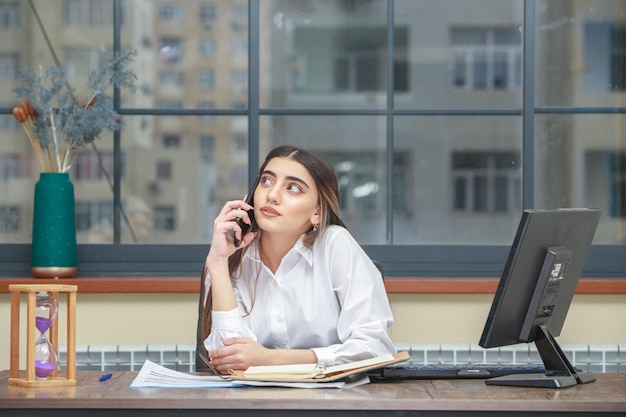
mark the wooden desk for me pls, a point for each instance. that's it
(424, 398)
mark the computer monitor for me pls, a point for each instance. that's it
(536, 288)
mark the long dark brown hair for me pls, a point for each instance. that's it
(325, 179)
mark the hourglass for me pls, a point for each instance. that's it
(41, 351)
(47, 309)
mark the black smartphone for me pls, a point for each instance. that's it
(245, 227)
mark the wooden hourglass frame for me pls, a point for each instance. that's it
(31, 334)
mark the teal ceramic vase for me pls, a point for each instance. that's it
(54, 227)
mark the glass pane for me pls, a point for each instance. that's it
(25, 47)
(462, 179)
(171, 189)
(327, 54)
(70, 24)
(355, 145)
(581, 61)
(579, 162)
(18, 174)
(460, 46)
(189, 53)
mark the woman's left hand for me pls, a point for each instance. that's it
(238, 353)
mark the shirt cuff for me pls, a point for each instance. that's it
(324, 355)
(226, 320)
(224, 325)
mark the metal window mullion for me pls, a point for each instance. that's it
(390, 116)
(117, 152)
(254, 18)
(528, 104)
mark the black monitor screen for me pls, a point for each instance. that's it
(536, 288)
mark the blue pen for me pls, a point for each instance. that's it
(105, 377)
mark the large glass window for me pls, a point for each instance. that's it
(440, 129)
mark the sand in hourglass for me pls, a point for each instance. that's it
(44, 349)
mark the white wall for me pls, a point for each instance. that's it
(113, 319)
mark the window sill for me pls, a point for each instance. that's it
(404, 285)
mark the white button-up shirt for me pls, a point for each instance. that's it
(329, 298)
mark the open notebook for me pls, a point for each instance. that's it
(316, 372)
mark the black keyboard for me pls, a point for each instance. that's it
(405, 370)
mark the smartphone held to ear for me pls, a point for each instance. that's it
(245, 227)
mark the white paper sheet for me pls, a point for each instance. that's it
(153, 375)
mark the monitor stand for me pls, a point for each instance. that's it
(560, 373)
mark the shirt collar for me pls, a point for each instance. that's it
(307, 253)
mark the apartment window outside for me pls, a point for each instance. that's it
(207, 146)
(171, 12)
(79, 62)
(91, 166)
(172, 78)
(9, 15)
(240, 143)
(362, 188)
(163, 170)
(165, 218)
(88, 13)
(605, 56)
(206, 79)
(358, 60)
(240, 79)
(486, 182)
(605, 174)
(618, 165)
(93, 215)
(401, 175)
(171, 141)
(238, 176)
(10, 166)
(208, 47)
(10, 219)
(207, 15)
(486, 58)
(9, 66)
(239, 46)
(359, 186)
(239, 16)
(170, 50)
(9, 124)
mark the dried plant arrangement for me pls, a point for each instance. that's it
(57, 122)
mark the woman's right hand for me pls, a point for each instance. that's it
(222, 246)
(222, 242)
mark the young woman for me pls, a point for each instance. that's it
(299, 288)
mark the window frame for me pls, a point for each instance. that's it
(489, 50)
(451, 261)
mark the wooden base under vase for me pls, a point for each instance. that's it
(53, 271)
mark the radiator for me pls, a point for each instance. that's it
(590, 358)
